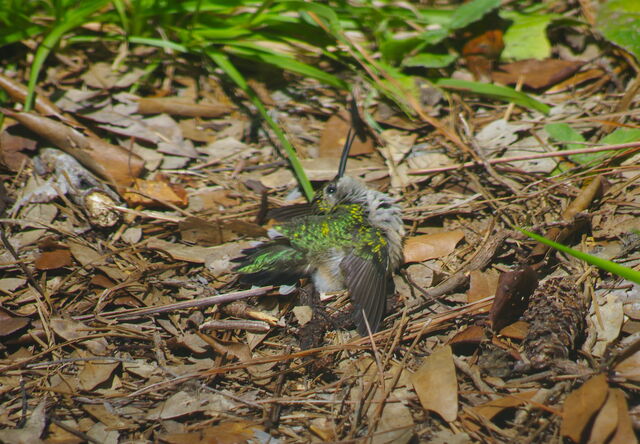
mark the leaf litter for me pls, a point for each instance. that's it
(116, 334)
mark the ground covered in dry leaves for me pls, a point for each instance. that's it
(123, 322)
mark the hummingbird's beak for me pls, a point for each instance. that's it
(351, 135)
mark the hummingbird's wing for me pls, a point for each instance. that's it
(367, 284)
(283, 214)
(271, 263)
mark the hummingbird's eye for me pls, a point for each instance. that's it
(331, 189)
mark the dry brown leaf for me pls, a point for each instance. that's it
(474, 334)
(10, 322)
(11, 148)
(53, 259)
(629, 368)
(233, 432)
(334, 135)
(94, 373)
(58, 435)
(482, 284)
(431, 246)
(201, 232)
(517, 330)
(69, 330)
(624, 432)
(179, 404)
(581, 405)
(536, 73)
(606, 420)
(495, 406)
(155, 193)
(512, 296)
(84, 254)
(31, 431)
(108, 418)
(607, 323)
(436, 384)
(197, 254)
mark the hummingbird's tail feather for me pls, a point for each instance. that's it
(271, 263)
(367, 283)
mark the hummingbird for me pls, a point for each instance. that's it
(348, 238)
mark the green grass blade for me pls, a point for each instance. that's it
(496, 91)
(72, 19)
(617, 269)
(225, 64)
(252, 51)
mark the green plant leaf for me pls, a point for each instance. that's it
(427, 60)
(562, 132)
(471, 12)
(619, 21)
(255, 52)
(498, 92)
(617, 269)
(527, 38)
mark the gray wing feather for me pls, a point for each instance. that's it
(367, 284)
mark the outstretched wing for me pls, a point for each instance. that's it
(272, 263)
(367, 284)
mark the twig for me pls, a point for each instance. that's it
(252, 326)
(134, 313)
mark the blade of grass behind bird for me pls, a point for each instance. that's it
(225, 64)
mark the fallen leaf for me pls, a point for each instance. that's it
(629, 368)
(482, 284)
(473, 334)
(581, 405)
(513, 293)
(517, 330)
(53, 259)
(492, 408)
(108, 418)
(10, 322)
(606, 420)
(333, 138)
(607, 324)
(94, 373)
(536, 73)
(179, 404)
(69, 330)
(232, 432)
(436, 384)
(431, 246)
(624, 432)
(155, 193)
(32, 430)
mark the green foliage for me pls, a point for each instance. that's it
(617, 269)
(496, 91)
(394, 43)
(619, 22)
(573, 140)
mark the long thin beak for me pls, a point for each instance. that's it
(351, 135)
